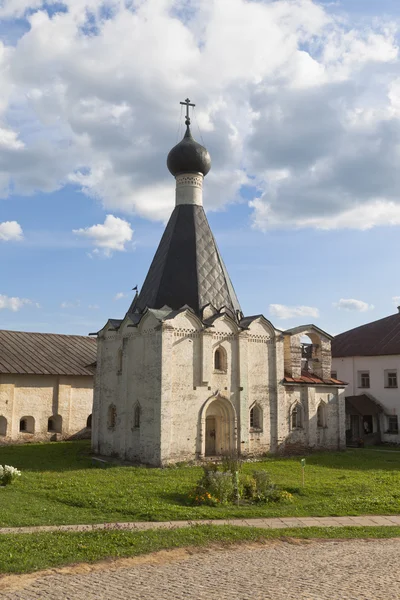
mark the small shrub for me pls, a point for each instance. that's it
(247, 487)
(231, 462)
(8, 474)
(265, 490)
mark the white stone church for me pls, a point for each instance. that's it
(185, 375)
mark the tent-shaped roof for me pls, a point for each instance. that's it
(187, 268)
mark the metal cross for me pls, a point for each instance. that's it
(187, 103)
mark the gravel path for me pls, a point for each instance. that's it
(314, 570)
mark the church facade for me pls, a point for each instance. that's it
(186, 375)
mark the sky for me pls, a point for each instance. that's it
(298, 103)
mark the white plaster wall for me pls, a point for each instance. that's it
(347, 370)
(40, 397)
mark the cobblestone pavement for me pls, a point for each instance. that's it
(273, 523)
(314, 570)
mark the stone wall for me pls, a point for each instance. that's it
(68, 399)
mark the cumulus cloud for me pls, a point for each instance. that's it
(15, 304)
(354, 305)
(11, 231)
(288, 312)
(305, 109)
(396, 300)
(112, 235)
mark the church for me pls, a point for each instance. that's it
(185, 375)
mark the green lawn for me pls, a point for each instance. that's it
(24, 553)
(60, 485)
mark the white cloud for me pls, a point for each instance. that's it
(112, 235)
(354, 305)
(396, 300)
(11, 231)
(93, 306)
(120, 295)
(69, 304)
(15, 304)
(306, 107)
(288, 312)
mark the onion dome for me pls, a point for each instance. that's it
(188, 156)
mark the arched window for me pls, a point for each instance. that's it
(27, 425)
(255, 417)
(89, 422)
(112, 416)
(136, 417)
(220, 362)
(297, 417)
(321, 414)
(54, 424)
(3, 426)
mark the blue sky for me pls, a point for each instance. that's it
(304, 136)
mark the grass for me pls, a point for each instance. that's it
(59, 485)
(25, 553)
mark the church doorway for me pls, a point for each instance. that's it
(210, 436)
(219, 427)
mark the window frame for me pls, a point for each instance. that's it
(391, 374)
(393, 431)
(256, 418)
(297, 410)
(136, 417)
(222, 360)
(112, 417)
(362, 374)
(322, 422)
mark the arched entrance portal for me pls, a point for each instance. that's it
(219, 427)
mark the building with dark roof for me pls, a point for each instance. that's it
(46, 385)
(368, 358)
(186, 375)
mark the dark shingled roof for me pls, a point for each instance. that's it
(374, 339)
(187, 268)
(46, 353)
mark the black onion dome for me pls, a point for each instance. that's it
(188, 157)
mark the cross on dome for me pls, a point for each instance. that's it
(187, 103)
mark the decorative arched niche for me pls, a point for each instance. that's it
(112, 416)
(321, 415)
(136, 416)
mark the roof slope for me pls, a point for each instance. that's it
(374, 339)
(46, 353)
(187, 268)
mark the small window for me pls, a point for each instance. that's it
(334, 375)
(220, 359)
(89, 422)
(136, 417)
(363, 379)
(255, 417)
(321, 415)
(54, 424)
(297, 417)
(3, 426)
(112, 416)
(391, 378)
(393, 424)
(27, 425)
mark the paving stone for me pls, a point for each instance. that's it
(318, 570)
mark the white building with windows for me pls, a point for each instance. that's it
(185, 375)
(368, 358)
